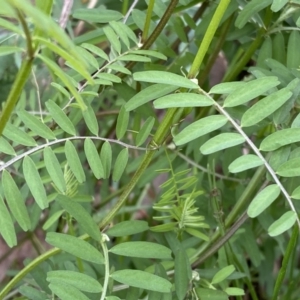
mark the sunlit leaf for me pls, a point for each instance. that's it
(284, 223)
(127, 228)
(6, 147)
(6, 50)
(134, 57)
(96, 50)
(232, 291)
(290, 168)
(67, 292)
(227, 87)
(97, 15)
(245, 162)
(223, 274)
(199, 128)
(263, 200)
(18, 136)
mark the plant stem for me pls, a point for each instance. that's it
(148, 20)
(106, 264)
(209, 34)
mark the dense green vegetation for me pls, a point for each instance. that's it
(149, 149)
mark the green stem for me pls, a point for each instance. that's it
(125, 6)
(289, 251)
(209, 34)
(148, 20)
(106, 264)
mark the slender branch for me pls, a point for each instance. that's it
(133, 5)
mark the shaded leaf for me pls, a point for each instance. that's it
(93, 158)
(6, 50)
(74, 161)
(142, 280)
(96, 50)
(182, 100)
(142, 250)
(34, 182)
(134, 57)
(199, 128)
(75, 246)
(67, 292)
(112, 38)
(79, 280)
(120, 164)
(209, 294)
(52, 219)
(227, 87)
(97, 15)
(232, 291)
(153, 53)
(127, 228)
(221, 141)
(144, 133)
(263, 200)
(223, 274)
(292, 59)
(15, 201)
(84, 219)
(284, 223)
(197, 233)
(165, 78)
(18, 136)
(106, 158)
(6, 147)
(91, 120)
(122, 123)
(289, 168)
(245, 162)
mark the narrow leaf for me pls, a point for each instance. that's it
(183, 100)
(18, 136)
(143, 280)
(74, 161)
(97, 15)
(263, 200)
(209, 294)
(35, 125)
(120, 164)
(165, 78)
(15, 201)
(280, 138)
(134, 57)
(284, 223)
(231, 291)
(54, 169)
(75, 246)
(96, 50)
(60, 117)
(7, 229)
(227, 87)
(127, 228)
(251, 90)
(6, 147)
(91, 120)
(67, 292)
(84, 219)
(106, 158)
(149, 93)
(34, 182)
(112, 38)
(144, 133)
(221, 141)
(93, 158)
(81, 281)
(200, 128)
(142, 249)
(122, 123)
(265, 107)
(223, 274)
(290, 168)
(296, 193)
(6, 50)
(292, 59)
(52, 219)
(245, 162)
(153, 53)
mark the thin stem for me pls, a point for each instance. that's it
(209, 34)
(106, 264)
(148, 20)
(125, 5)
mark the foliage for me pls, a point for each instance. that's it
(129, 172)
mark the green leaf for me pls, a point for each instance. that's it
(153, 53)
(227, 87)
(127, 228)
(265, 107)
(15, 201)
(74, 161)
(263, 200)
(279, 52)
(97, 15)
(6, 147)
(93, 158)
(75, 246)
(277, 5)
(96, 50)
(31, 293)
(134, 57)
(61, 89)
(290, 168)
(149, 93)
(221, 141)
(199, 128)
(81, 281)
(6, 50)
(296, 193)
(223, 274)
(209, 294)
(118, 27)
(182, 267)
(64, 78)
(245, 162)
(280, 138)
(264, 52)
(118, 68)
(7, 229)
(122, 123)
(292, 59)
(112, 38)
(109, 77)
(67, 292)
(142, 250)
(54, 169)
(84, 219)
(183, 100)
(10, 26)
(165, 78)
(52, 219)
(251, 90)
(144, 133)
(60, 117)
(143, 280)
(91, 120)
(249, 10)
(34, 182)
(18, 136)
(106, 158)
(284, 223)
(197, 233)
(34, 124)
(120, 164)
(232, 291)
